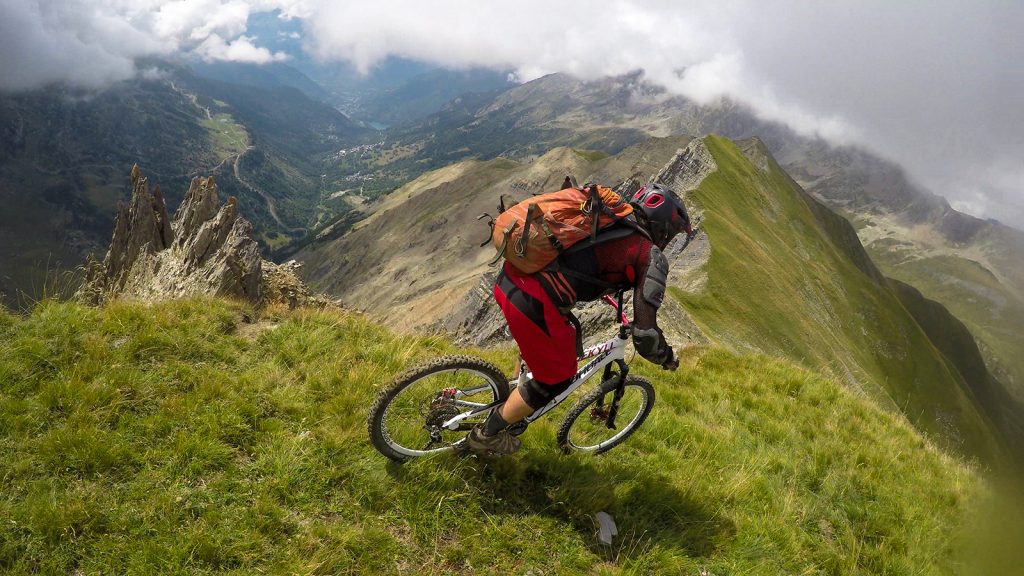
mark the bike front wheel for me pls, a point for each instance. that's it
(585, 427)
(407, 419)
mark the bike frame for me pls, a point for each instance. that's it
(602, 356)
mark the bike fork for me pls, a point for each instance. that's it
(618, 390)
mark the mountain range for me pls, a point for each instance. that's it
(973, 266)
(848, 395)
(340, 192)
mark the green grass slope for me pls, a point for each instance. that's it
(181, 438)
(956, 342)
(992, 311)
(785, 281)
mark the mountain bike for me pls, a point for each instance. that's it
(430, 408)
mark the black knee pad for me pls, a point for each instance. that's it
(537, 394)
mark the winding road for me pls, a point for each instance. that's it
(271, 207)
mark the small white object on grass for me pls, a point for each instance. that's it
(607, 529)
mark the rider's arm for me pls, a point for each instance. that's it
(652, 279)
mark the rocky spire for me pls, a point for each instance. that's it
(141, 227)
(207, 249)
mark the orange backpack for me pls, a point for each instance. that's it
(532, 233)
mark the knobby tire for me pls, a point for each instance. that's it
(625, 429)
(376, 426)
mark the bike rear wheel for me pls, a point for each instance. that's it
(406, 419)
(585, 429)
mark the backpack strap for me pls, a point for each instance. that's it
(533, 213)
(630, 221)
(587, 278)
(596, 207)
(620, 229)
(524, 240)
(490, 225)
(562, 295)
(504, 242)
(551, 236)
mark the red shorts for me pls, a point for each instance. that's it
(546, 338)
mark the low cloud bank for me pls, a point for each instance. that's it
(935, 86)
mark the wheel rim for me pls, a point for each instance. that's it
(590, 433)
(415, 411)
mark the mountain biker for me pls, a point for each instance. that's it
(536, 307)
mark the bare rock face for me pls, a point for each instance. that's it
(207, 249)
(281, 283)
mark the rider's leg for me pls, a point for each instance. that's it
(547, 342)
(515, 408)
(523, 401)
(546, 338)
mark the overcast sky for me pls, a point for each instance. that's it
(936, 86)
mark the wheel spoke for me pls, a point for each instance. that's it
(406, 420)
(586, 426)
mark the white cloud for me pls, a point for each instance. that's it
(197, 20)
(241, 49)
(690, 50)
(48, 42)
(92, 43)
(935, 86)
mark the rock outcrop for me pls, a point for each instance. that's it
(207, 249)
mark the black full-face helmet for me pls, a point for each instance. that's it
(662, 212)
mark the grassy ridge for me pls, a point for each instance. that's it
(179, 439)
(779, 283)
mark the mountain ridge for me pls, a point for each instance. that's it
(819, 247)
(897, 220)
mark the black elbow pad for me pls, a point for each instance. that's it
(656, 280)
